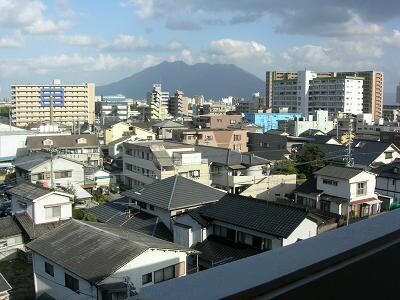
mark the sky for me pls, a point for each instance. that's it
(103, 41)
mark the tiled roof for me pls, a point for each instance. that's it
(264, 216)
(272, 154)
(62, 141)
(308, 187)
(217, 251)
(391, 170)
(168, 124)
(175, 192)
(32, 160)
(94, 251)
(29, 191)
(34, 231)
(8, 227)
(339, 172)
(116, 212)
(4, 285)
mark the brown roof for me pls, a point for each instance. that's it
(62, 141)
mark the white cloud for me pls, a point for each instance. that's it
(224, 50)
(187, 56)
(145, 8)
(174, 45)
(11, 41)
(28, 17)
(393, 39)
(125, 42)
(78, 40)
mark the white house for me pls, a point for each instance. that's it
(104, 261)
(37, 166)
(333, 189)
(388, 180)
(10, 238)
(238, 226)
(42, 205)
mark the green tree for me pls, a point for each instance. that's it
(311, 159)
(100, 198)
(90, 218)
(77, 213)
(285, 167)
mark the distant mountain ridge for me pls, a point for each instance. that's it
(211, 80)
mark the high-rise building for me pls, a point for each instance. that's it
(158, 102)
(55, 103)
(272, 76)
(398, 93)
(178, 104)
(372, 91)
(312, 91)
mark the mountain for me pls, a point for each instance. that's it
(211, 80)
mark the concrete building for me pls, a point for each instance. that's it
(391, 112)
(216, 121)
(164, 130)
(71, 103)
(81, 147)
(121, 130)
(147, 162)
(235, 139)
(255, 105)
(125, 260)
(272, 76)
(158, 102)
(318, 121)
(269, 121)
(178, 105)
(372, 91)
(105, 109)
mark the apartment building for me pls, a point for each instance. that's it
(147, 162)
(158, 102)
(71, 103)
(372, 91)
(178, 105)
(105, 109)
(235, 139)
(216, 121)
(272, 76)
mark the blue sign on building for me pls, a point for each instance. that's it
(269, 121)
(57, 93)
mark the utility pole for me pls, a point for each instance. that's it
(51, 109)
(349, 163)
(51, 169)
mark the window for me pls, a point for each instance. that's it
(309, 202)
(237, 147)
(257, 242)
(49, 268)
(147, 278)
(361, 188)
(169, 272)
(325, 206)
(330, 182)
(71, 282)
(62, 174)
(236, 137)
(53, 212)
(151, 207)
(142, 205)
(388, 155)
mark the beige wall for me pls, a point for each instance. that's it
(121, 129)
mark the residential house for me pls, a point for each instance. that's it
(233, 171)
(123, 129)
(388, 180)
(37, 167)
(235, 139)
(272, 147)
(80, 147)
(216, 121)
(11, 239)
(104, 261)
(349, 192)
(164, 130)
(5, 287)
(171, 196)
(146, 162)
(237, 226)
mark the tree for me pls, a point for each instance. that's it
(90, 218)
(311, 159)
(285, 167)
(78, 213)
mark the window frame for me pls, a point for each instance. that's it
(71, 282)
(363, 188)
(49, 268)
(147, 278)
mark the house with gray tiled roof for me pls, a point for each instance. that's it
(11, 238)
(236, 227)
(102, 261)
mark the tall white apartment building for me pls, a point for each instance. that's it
(71, 103)
(312, 91)
(158, 102)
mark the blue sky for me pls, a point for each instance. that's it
(104, 41)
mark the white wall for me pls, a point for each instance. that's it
(149, 261)
(196, 230)
(14, 242)
(305, 230)
(51, 200)
(353, 96)
(55, 286)
(382, 160)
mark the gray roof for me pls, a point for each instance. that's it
(34, 231)
(264, 216)
(217, 251)
(308, 187)
(168, 124)
(175, 192)
(29, 191)
(338, 172)
(116, 212)
(4, 285)
(229, 157)
(391, 170)
(32, 160)
(62, 141)
(8, 227)
(272, 154)
(94, 251)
